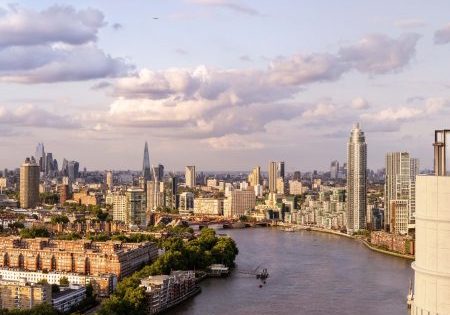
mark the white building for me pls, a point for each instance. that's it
(356, 180)
(68, 298)
(208, 206)
(432, 265)
(190, 176)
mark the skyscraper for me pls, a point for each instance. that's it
(158, 172)
(136, 206)
(400, 178)
(273, 176)
(334, 170)
(356, 180)
(146, 172)
(254, 178)
(29, 183)
(109, 180)
(190, 176)
(280, 169)
(40, 156)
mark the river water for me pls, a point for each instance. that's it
(310, 273)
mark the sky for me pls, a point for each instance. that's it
(221, 84)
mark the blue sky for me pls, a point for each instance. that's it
(221, 84)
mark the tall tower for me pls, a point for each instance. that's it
(29, 183)
(432, 265)
(109, 180)
(356, 180)
(146, 172)
(190, 176)
(273, 170)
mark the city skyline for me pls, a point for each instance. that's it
(99, 86)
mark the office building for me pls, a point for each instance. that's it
(432, 265)
(109, 180)
(400, 178)
(29, 184)
(254, 178)
(208, 206)
(238, 203)
(190, 176)
(334, 170)
(273, 171)
(356, 181)
(186, 202)
(295, 187)
(136, 207)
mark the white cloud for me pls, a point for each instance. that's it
(233, 142)
(32, 116)
(25, 27)
(378, 54)
(360, 103)
(53, 45)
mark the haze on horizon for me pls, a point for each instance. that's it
(221, 84)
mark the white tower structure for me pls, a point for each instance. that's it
(432, 265)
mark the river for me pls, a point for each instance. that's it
(310, 273)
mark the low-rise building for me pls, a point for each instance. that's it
(68, 298)
(103, 285)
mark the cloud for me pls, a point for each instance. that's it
(359, 103)
(208, 102)
(117, 26)
(245, 58)
(27, 27)
(101, 85)
(46, 64)
(442, 36)
(231, 5)
(410, 23)
(378, 54)
(233, 142)
(32, 116)
(181, 51)
(53, 45)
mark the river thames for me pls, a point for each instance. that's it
(310, 273)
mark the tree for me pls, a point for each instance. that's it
(64, 282)
(59, 219)
(34, 232)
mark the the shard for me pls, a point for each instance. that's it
(146, 171)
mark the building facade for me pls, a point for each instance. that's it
(208, 206)
(23, 295)
(136, 207)
(81, 256)
(400, 183)
(238, 203)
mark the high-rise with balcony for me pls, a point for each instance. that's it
(356, 180)
(29, 183)
(399, 191)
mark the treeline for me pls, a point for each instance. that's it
(195, 254)
(41, 309)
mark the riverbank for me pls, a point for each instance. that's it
(364, 242)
